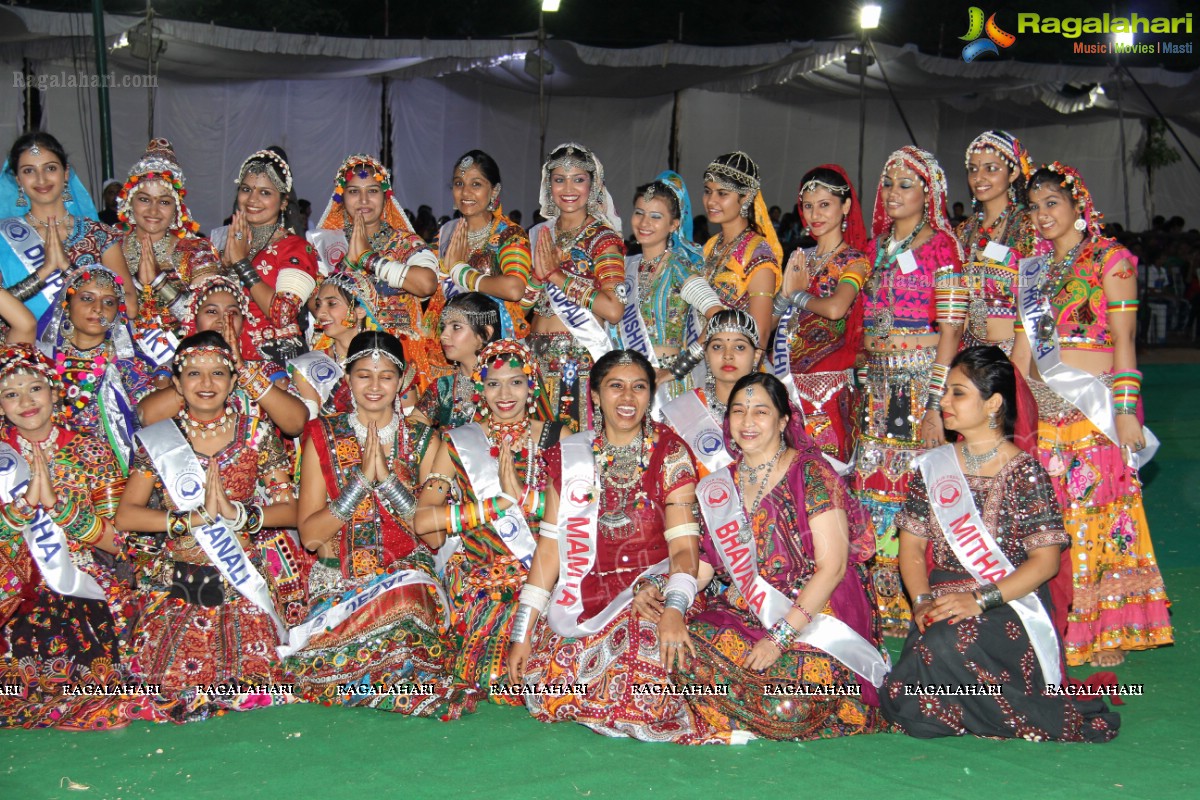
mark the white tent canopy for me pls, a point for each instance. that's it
(223, 93)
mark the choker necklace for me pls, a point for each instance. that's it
(260, 237)
(973, 462)
(477, 239)
(57, 223)
(199, 429)
(387, 434)
(513, 433)
(48, 445)
(566, 240)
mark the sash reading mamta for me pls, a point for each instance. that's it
(580, 556)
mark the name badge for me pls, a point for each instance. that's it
(908, 262)
(996, 252)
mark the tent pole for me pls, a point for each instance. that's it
(862, 106)
(1124, 148)
(895, 100)
(541, 83)
(106, 156)
(673, 154)
(1165, 122)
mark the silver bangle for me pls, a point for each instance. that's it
(246, 273)
(522, 621)
(400, 498)
(801, 300)
(922, 598)
(352, 494)
(677, 600)
(781, 304)
(990, 596)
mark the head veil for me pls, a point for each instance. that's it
(681, 239)
(737, 172)
(933, 180)
(361, 165)
(600, 203)
(855, 234)
(518, 355)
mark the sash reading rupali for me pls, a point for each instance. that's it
(721, 506)
(30, 251)
(578, 515)
(1079, 388)
(183, 480)
(483, 471)
(321, 372)
(781, 358)
(355, 600)
(978, 552)
(47, 542)
(632, 328)
(580, 322)
(691, 420)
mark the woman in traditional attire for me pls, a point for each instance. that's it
(217, 303)
(997, 235)
(469, 322)
(819, 313)
(50, 224)
(730, 352)
(160, 244)
(667, 299)
(483, 250)
(1079, 319)
(193, 485)
(88, 334)
(378, 615)
(364, 228)
(345, 306)
(742, 262)
(804, 620)
(277, 267)
(65, 588)
(914, 309)
(578, 266)
(498, 454)
(604, 656)
(977, 551)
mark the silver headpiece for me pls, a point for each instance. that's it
(471, 316)
(814, 184)
(375, 353)
(465, 164)
(735, 171)
(34, 150)
(285, 172)
(625, 358)
(733, 320)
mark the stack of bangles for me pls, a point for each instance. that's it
(468, 516)
(938, 373)
(533, 598)
(785, 302)
(783, 635)
(988, 597)
(171, 292)
(950, 304)
(686, 361)
(578, 292)
(388, 270)
(248, 519)
(1127, 388)
(852, 278)
(680, 591)
(254, 380)
(246, 273)
(465, 277)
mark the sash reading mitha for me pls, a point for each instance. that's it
(451, 290)
(632, 330)
(578, 513)
(979, 553)
(321, 372)
(689, 417)
(47, 542)
(183, 479)
(30, 251)
(1079, 388)
(474, 450)
(721, 507)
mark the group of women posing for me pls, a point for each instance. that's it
(526, 469)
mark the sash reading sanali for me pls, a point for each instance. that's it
(979, 553)
(721, 506)
(578, 512)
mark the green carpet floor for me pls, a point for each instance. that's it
(329, 754)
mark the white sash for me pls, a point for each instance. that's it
(47, 542)
(721, 506)
(484, 473)
(781, 358)
(157, 345)
(690, 419)
(979, 554)
(1079, 388)
(580, 322)
(30, 250)
(331, 247)
(321, 372)
(183, 480)
(632, 329)
(578, 513)
(354, 600)
(218, 237)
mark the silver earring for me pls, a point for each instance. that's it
(1081, 225)
(1012, 193)
(68, 327)
(993, 422)
(746, 206)
(598, 417)
(843, 224)
(66, 195)
(22, 200)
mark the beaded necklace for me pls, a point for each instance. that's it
(48, 446)
(463, 399)
(202, 429)
(81, 372)
(761, 475)
(889, 249)
(721, 252)
(1056, 274)
(516, 433)
(620, 468)
(477, 239)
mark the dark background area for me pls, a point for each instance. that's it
(932, 25)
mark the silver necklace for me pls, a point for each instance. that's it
(974, 462)
(761, 475)
(476, 239)
(715, 407)
(387, 434)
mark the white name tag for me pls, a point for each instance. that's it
(996, 252)
(908, 262)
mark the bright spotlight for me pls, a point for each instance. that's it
(868, 18)
(1124, 39)
(551, 5)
